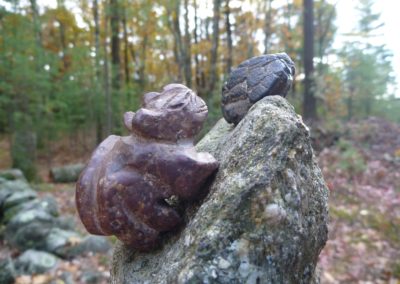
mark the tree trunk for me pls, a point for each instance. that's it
(115, 44)
(229, 58)
(39, 62)
(213, 79)
(133, 54)
(96, 36)
(142, 68)
(267, 25)
(309, 102)
(368, 105)
(206, 28)
(174, 26)
(107, 91)
(126, 47)
(36, 24)
(23, 152)
(288, 40)
(99, 127)
(63, 40)
(187, 48)
(349, 104)
(324, 30)
(196, 41)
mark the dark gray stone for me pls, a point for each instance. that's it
(94, 244)
(47, 204)
(5, 192)
(10, 187)
(66, 222)
(92, 277)
(7, 271)
(18, 198)
(35, 262)
(254, 79)
(67, 278)
(264, 219)
(12, 174)
(24, 218)
(29, 236)
(15, 185)
(28, 229)
(60, 242)
(68, 173)
(69, 244)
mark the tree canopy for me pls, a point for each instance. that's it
(75, 67)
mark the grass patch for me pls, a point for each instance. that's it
(341, 214)
(396, 270)
(387, 227)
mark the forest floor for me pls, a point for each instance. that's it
(361, 171)
(362, 174)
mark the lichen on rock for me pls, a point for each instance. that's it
(264, 219)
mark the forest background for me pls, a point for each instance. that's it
(70, 70)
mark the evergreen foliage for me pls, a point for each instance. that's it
(75, 68)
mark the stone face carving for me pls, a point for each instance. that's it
(254, 79)
(123, 189)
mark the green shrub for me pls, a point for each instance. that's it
(350, 159)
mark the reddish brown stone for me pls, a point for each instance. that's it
(123, 189)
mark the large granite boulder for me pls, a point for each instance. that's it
(264, 219)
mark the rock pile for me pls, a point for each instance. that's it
(34, 227)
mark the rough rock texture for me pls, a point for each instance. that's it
(89, 244)
(47, 204)
(12, 174)
(31, 222)
(30, 225)
(59, 241)
(254, 79)
(35, 262)
(264, 219)
(7, 271)
(68, 173)
(11, 187)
